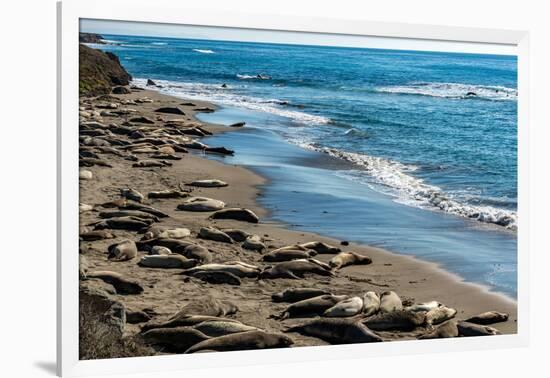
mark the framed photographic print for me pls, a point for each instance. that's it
(252, 187)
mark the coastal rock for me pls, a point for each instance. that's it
(151, 82)
(254, 243)
(137, 316)
(99, 71)
(210, 233)
(238, 124)
(170, 110)
(239, 214)
(201, 204)
(90, 38)
(142, 119)
(219, 150)
(121, 90)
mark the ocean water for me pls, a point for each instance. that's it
(422, 144)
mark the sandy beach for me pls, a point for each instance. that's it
(166, 291)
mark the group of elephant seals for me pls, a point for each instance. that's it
(294, 269)
(298, 294)
(348, 258)
(337, 331)
(243, 341)
(312, 306)
(123, 251)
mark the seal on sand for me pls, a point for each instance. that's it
(399, 320)
(123, 251)
(347, 307)
(174, 340)
(470, 329)
(121, 284)
(294, 269)
(238, 270)
(287, 255)
(298, 294)
(239, 214)
(216, 328)
(210, 233)
(348, 258)
(243, 341)
(197, 252)
(213, 183)
(201, 204)
(439, 315)
(167, 262)
(488, 317)
(371, 303)
(218, 277)
(183, 321)
(390, 301)
(315, 305)
(442, 331)
(337, 331)
(321, 248)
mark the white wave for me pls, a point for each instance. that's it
(254, 77)
(396, 180)
(111, 42)
(204, 51)
(228, 97)
(159, 43)
(454, 90)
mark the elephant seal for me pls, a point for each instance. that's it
(217, 328)
(348, 307)
(488, 317)
(132, 194)
(206, 306)
(197, 252)
(173, 340)
(123, 251)
(213, 183)
(239, 214)
(146, 209)
(151, 164)
(294, 269)
(166, 232)
(398, 320)
(236, 269)
(337, 331)
(371, 303)
(210, 233)
(96, 235)
(175, 245)
(439, 315)
(237, 235)
(158, 250)
(316, 305)
(254, 243)
(128, 213)
(167, 262)
(243, 341)
(470, 329)
(168, 193)
(123, 223)
(443, 331)
(321, 248)
(390, 301)
(201, 204)
(121, 284)
(287, 255)
(348, 258)
(218, 277)
(427, 306)
(183, 321)
(298, 294)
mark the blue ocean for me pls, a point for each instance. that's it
(411, 151)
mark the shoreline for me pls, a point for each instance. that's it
(413, 279)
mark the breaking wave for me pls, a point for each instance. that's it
(396, 180)
(204, 51)
(454, 91)
(230, 97)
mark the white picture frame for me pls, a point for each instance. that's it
(69, 14)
